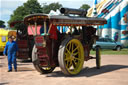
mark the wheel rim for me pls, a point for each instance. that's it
(73, 56)
(46, 68)
(118, 48)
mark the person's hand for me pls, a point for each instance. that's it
(4, 55)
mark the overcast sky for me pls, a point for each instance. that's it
(8, 6)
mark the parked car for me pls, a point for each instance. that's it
(107, 43)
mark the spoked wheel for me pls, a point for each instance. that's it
(36, 63)
(71, 56)
(98, 58)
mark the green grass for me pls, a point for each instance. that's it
(112, 52)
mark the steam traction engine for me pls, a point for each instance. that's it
(55, 47)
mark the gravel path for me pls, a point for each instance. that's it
(114, 71)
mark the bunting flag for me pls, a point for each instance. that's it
(108, 7)
(94, 14)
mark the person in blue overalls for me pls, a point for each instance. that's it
(10, 50)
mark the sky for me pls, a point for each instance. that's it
(8, 6)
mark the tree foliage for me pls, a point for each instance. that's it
(2, 24)
(85, 6)
(52, 6)
(31, 6)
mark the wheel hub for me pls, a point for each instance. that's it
(72, 57)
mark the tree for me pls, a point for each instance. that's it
(85, 6)
(2, 24)
(31, 6)
(52, 6)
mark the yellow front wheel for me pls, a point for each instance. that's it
(37, 63)
(71, 56)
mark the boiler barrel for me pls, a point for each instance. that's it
(67, 11)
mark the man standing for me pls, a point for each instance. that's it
(10, 50)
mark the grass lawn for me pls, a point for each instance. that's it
(112, 52)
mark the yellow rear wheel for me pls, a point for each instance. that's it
(71, 56)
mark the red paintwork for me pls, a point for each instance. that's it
(45, 54)
(12, 24)
(23, 49)
(53, 32)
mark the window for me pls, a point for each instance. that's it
(101, 40)
(3, 38)
(109, 40)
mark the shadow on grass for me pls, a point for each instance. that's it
(89, 72)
